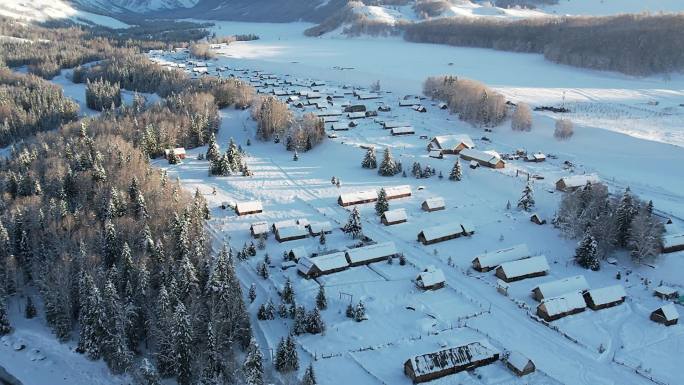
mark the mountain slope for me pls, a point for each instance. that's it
(45, 10)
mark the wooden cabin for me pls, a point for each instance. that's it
(667, 293)
(537, 157)
(666, 315)
(489, 159)
(178, 151)
(372, 253)
(394, 217)
(572, 183)
(491, 260)
(396, 192)
(519, 364)
(523, 269)
(536, 219)
(605, 297)
(431, 366)
(390, 124)
(673, 243)
(443, 233)
(250, 207)
(552, 309)
(409, 102)
(313, 267)
(258, 229)
(359, 197)
(560, 287)
(433, 204)
(291, 233)
(431, 278)
(450, 144)
(355, 108)
(318, 228)
(396, 131)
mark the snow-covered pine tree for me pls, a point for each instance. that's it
(91, 319)
(526, 201)
(309, 377)
(5, 327)
(253, 367)
(314, 322)
(645, 236)
(456, 172)
(288, 292)
(626, 211)
(173, 157)
(359, 312)
(321, 300)
(182, 352)
(381, 205)
(252, 293)
(369, 160)
(321, 239)
(213, 151)
(291, 355)
(148, 373)
(114, 345)
(388, 167)
(30, 309)
(353, 226)
(586, 251)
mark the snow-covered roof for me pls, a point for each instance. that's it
(574, 181)
(430, 276)
(673, 240)
(368, 95)
(371, 252)
(296, 231)
(434, 203)
(319, 227)
(249, 206)
(670, 312)
(429, 363)
(329, 112)
(666, 290)
(397, 191)
(285, 223)
(564, 303)
(395, 123)
(408, 102)
(358, 196)
(402, 130)
(324, 263)
(536, 156)
(526, 266)
(517, 360)
(449, 142)
(495, 258)
(436, 232)
(562, 286)
(259, 227)
(396, 215)
(356, 115)
(178, 151)
(607, 294)
(491, 157)
(339, 126)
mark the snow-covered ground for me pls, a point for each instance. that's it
(44, 10)
(613, 7)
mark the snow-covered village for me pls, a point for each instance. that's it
(365, 192)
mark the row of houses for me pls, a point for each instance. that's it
(316, 266)
(290, 230)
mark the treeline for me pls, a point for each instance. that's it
(276, 122)
(202, 51)
(633, 44)
(605, 223)
(101, 94)
(473, 101)
(29, 104)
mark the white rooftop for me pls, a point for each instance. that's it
(370, 252)
(562, 286)
(495, 258)
(564, 303)
(525, 266)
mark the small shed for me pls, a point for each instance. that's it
(451, 144)
(437, 154)
(419, 108)
(571, 183)
(519, 364)
(394, 217)
(297, 253)
(666, 315)
(431, 366)
(666, 292)
(313, 267)
(318, 228)
(443, 233)
(489, 158)
(372, 253)
(536, 219)
(562, 306)
(431, 278)
(473, 164)
(605, 297)
(491, 260)
(559, 287)
(291, 233)
(433, 204)
(673, 243)
(249, 207)
(523, 268)
(536, 157)
(359, 197)
(259, 229)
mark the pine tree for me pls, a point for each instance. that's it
(456, 173)
(30, 310)
(110, 248)
(625, 213)
(526, 201)
(173, 157)
(253, 366)
(369, 160)
(359, 312)
(300, 321)
(321, 239)
(288, 292)
(381, 205)
(114, 346)
(5, 327)
(321, 300)
(287, 358)
(353, 226)
(295, 157)
(309, 376)
(266, 311)
(252, 293)
(388, 167)
(182, 353)
(314, 322)
(92, 320)
(148, 373)
(213, 151)
(585, 254)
